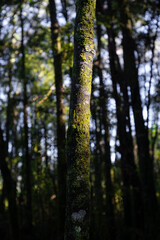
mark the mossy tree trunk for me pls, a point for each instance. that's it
(57, 55)
(78, 147)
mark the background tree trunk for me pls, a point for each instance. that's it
(27, 156)
(56, 47)
(10, 186)
(145, 161)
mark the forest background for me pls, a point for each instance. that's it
(36, 67)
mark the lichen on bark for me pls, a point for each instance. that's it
(78, 148)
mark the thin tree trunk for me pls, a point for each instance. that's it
(129, 172)
(10, 187)
(56, 46)
(98, 159)
(46, 144)
(27, 157)
(9, 106)
(104, 120)
(65, 14)
(145, 161)
(78, 147)
(64, 9)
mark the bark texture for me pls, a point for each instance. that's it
(78, 148)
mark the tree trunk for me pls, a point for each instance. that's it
(104, 120)
(10, 187)
(56, 46)
(97, 162)
(129, 172)
(78, 147)
(27, 157)
(145, 161)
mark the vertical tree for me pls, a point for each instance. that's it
(96, 229)
(129, 171)
(27, 157)
(105, 123)
(145, 161)
(57, 55)
(78, 149)
(10, 186)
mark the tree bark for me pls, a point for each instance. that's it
(78, 147)
(56, 47)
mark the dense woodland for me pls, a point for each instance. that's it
(79, 119)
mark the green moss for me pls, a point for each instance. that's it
(83, 57)
(85, 31)
(78, 130)
(90, 58)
